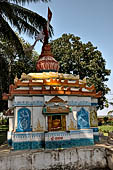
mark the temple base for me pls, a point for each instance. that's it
(52, 140)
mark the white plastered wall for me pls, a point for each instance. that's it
(75, 108)
(79, 99)
(11, 123)
(38, 119)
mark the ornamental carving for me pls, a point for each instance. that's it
(82, 119)
(25, 77)
(56, 99)
(39, 127)
(93, 119)
(57, 110)
(71, 125)
(24, 120)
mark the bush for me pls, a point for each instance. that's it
(3, 133)
(110, 123)
(4, 121)
(105, 128)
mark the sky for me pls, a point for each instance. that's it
(91, 20)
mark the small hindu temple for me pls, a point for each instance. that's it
(51, 110)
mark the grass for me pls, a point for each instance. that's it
(105, 129)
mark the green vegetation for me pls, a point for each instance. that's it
(105, 128)
(105, 120)
(14, 15)
(3, 133)
(14, 59)
(84, 60)
(4, 122)
(11, 65)
(4, 128)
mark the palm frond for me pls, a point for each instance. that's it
(27, 1)
(23, 26)
(14, 12)
(28, 16)
(16, 21)
(22, 19)
(34, 19)
(9, 35)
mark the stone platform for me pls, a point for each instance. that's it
(99, 156)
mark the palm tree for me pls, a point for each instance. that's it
(24, 20)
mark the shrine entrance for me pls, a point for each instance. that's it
(57, 123)
(56, 110)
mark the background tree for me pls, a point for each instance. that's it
(84, 60)
(3, 81)
(12, 15)
(105, 119)
(24, 64)
(11, 64)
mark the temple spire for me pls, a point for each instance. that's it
(46, 27)
(46, 61)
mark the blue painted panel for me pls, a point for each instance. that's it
(10, 142)
(96, 138)
(82, 119)
(68, 143)
(22, 145)
(95, 129)
(94, 104)
(52, 144)
(58, 144)
(28, 145)
(24, 120)
(82, 142)
(28, 103)
(80, 103)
